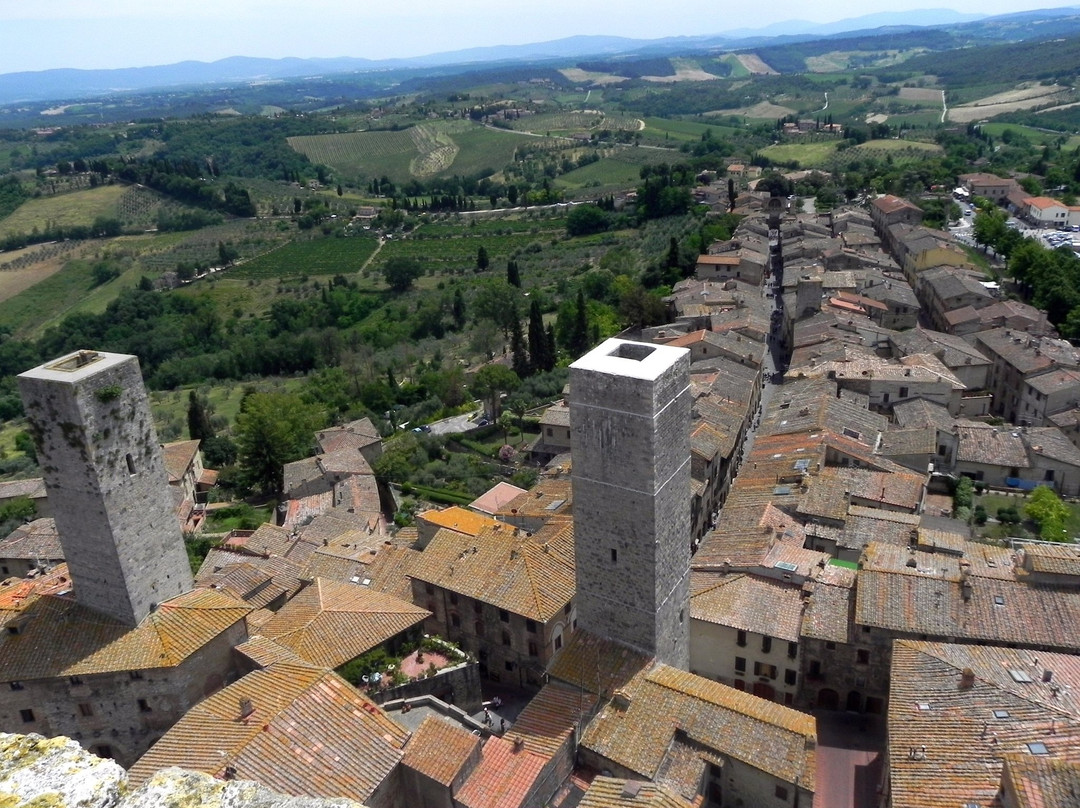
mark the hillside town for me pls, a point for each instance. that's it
(744, 577)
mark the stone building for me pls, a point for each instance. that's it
(107, 483)
(505, 595)
(68, 670)
(629, 413)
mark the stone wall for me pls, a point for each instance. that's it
(459, 686)
(630, 417)
(101, 461)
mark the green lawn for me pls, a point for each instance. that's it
(991, 502)
(808, 155)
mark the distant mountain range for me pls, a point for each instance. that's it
(72, 84)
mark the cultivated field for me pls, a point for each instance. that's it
(763, 110)
(755, 65)
(324, 256)
(421, 151)
(1021, 98)
(808, 155)
(33, 270)
(580, 76)
(64, 210)
(926, 94)
(685, 70)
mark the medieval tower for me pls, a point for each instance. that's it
(629, 419)
(106, 482)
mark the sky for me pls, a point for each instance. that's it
(45, 34)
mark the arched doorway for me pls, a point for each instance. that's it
(854, 702)
(828, 699)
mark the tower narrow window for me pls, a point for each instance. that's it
(131, 464)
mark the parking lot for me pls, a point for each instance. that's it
(1052, 238)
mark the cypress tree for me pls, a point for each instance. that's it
(519, 356)
(579, 334)
(513, 275)
(199, 427)
(538, 360)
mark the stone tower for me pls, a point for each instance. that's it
(630, 441)
(106, 482)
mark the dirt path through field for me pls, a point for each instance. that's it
(371, 257)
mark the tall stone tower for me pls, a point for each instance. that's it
(106, 481)
(630, 441)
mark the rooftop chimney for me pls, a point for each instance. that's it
(967, 679)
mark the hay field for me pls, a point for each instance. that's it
(65, 210)
(1024, 97)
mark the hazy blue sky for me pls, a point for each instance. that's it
(42, 34)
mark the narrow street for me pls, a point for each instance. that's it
(775, 361)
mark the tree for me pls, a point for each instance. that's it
(491, 381)
(586, 219)
(482, 258)
(401, 272)
(731, 194)
(539, 360)
(458, 309)
(579, 332)
(513, 274)
(273, 429)
(198, 419)
(518, 353)
(1045, 508)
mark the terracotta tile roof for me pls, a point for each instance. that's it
(532, 576)
(178, 457)
(1038, 782)
(989, 445)
(928, 598)
(35, 540)
(389, 571)
(718, 260)
(354, 435)
(271, 540)
(310, 734)
(58, 637)
(459, 519)
(540, 501)
(332, 622)
(828, 605)
(255, 580)
(33, 488)
(748, 603)
(1055, 559)
(18, 593)
(262, 652)
(557, 414)
(946, 743)
(493, 500)
(635, 730)
(1051, 442)
(609, 792)
(597, 664)
(504, 777)
(440, 750)
(549, 719)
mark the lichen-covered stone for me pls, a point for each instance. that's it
(57, 772)
(177, 788)
(37, 772)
